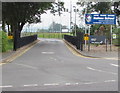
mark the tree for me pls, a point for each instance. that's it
(16, 14)
(117, 10)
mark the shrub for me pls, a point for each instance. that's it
(4, 42)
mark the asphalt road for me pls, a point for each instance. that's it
(51, 66)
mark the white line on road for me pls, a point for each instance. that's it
(110, 81)
(67, 84)
(28, 66)
(33, 85)
(47, 52)
(52, 84)
(90, 68)
(57, 84)
(8, 86)
(90, 83)
(101, 71)
(115, 65)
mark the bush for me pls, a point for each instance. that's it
(4, 41)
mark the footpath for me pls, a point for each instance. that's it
(98, 51)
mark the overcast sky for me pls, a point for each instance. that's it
(64, 19)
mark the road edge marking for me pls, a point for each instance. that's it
(17, 54)
(77, 53)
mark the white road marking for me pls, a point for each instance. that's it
(90, 83)
(110, 81)
(28, 66)
(57, 84)
(8, 86)
(76, 83)
(115, 65)
(47, 52)
(67, 84)
(33, 85)
(52, 84)
(101, 71)
(90, 68)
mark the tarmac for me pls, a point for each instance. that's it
(11, 55)
(95, 51)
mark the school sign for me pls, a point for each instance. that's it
(100, 19)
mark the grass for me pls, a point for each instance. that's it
(10, 45)
(52, 35)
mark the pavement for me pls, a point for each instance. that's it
(98, 51)
(52, 65)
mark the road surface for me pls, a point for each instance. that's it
(51, 66)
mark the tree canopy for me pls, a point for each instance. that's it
(16, 14)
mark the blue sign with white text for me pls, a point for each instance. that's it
(100, 19)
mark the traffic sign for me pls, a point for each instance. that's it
(86, 37)
(100, 19)
(114, 36)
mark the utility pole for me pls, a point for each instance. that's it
(85, 26)
(70, 16)
(75, 18)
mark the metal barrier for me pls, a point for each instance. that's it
(75, 40)
(24, 41)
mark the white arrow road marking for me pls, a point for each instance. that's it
(101, 71)
(115, 65)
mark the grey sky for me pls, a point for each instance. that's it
(64, 19)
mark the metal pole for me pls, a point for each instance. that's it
(85, 27)
(75, 21)
(70, 15)
(89, 40)
(60, 27)
(106, 45)
(111, 39)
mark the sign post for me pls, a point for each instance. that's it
(101, 19)
(111, 38)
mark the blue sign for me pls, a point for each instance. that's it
(97, 39)
(100, 19)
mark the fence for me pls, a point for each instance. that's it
(24, 41)
(76, 40)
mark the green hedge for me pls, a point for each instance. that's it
(5, 43)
